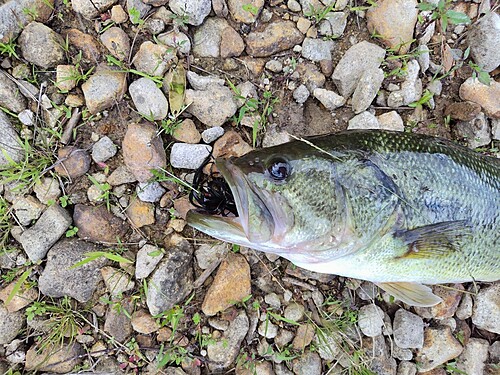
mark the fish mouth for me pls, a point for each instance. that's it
(254, 223)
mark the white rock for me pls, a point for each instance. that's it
(212, 134)
(329, 99)
(391, 121)
(367, 89)
(149, 191)
(371, 320)
(486, 314)
(148, 257)
(103, 150)
(408, 330)
(364, 120)
(188, 156)
(148, 99)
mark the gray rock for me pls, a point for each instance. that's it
(47, 190)
(408, 330)
(10, 143)
(354, 63)
(41, 45)
(273, 300)
(301, 94)
(91, 8)
(484, 41)
(308, 363)
(473, 358)
(333, 25)
(148, 99)
(364, 120)
(382, 362)
(14, 17)
(407, 368)
(294, 311)
(104, 88)
(194, 10)
(147, 259)
(117, 42)
(153, 59)
(329, 99)
(10, 324)
(38, 239)
(274, 66)
(206, 254)
(371, 320)
(267, 329)
(117, 281)
(329, 345)
(188, 156)
(172, 280)
(27, 117)
(240, 14)
(207, 38)
(27, 209)
(411, 88)
(367, 89)
(274, 137)
(486, 314)
(435, 87)
(117, 323)
(391, 121)
(223, 352)
(199, 82)
(495, 129)
(103, 150)
(402, 354)
(177, 40)
(212, 134)
(477, 132)
(423, 57)
(121, 175)
(10, 96)
(59, 279)
(494, 351)
(439, 347)
(317, 49)
(213, 106)
(150, 191)
(464, 310)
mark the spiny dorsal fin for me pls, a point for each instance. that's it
(413, 294)
(435, 240)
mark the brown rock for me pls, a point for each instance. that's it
(275, 37)
(143, 150)
(254, 65)
(143, 322)
(86, 43)
(464, 111)
(42, 46)
(117, 42)
(97, 224)
(245, 11)
(311, 76)
(153, 59)
(440, 346)
(488, 97)
(72, 162)
(182, 206)
(141, 213)
(231, 144)
(230, 285)
(55, 359)
(117, 322)
(446, 309)
(304, 336)
(65, 77)
(231, 44)
(394, 20)
(187, 132)
(21, 299)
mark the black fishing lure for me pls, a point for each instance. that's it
(211, 192)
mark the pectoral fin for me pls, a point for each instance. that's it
(411, 293)
(434, 240)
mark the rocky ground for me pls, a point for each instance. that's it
(109, 106)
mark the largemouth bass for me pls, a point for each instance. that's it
(398, 209)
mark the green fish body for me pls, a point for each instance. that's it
(397, 209)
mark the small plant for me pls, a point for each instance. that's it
(319, 14)
(424, 100)
(135, 16)
(445, 15)
(94, 255)
(5, 223)
(71, 232)
(105, 189)
(250, 8)
(480, 74)
(9, 49)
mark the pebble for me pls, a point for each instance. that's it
(147, 259)
(486, 314)
(143, 322)
(217, 38)
(140, 6)
(153, 59)
(391, 121)
(408, 330)
(411, 88)
(365, 120)
(42, 46)
(283, 338)
(91, 49)
(224, 351)
(118, 14)
(10, 98)
(59, 279)
(54, 358)
(304, 336)
(150, 191)
(267, 329)
(213, 106)
(240, 14)
(357, 59)
(212, 134)
(439, 347)
(371, 320)
(308, 363)
(483, 38)
(140, 213)
(27, 209)
(317, 49)
(274, 66)
(66, 77)
(74, 162)
(485, 96)
(11, 324)
(117, 282)
(188, 156)
(148, 99)
(231, 144)
(117, 42)
(38, 239)
(207, 254)
(172, 281)
(463, 111)
(143, 150)
(495, 129)
(328, 343)
(231, 284)
(177, 40)
(303, 24)
(294, 311)
(494, 351)
(477, 132)
(117, 322)
(367, 88)
(423, 57)
(91, 9)
(194, 10)
(329, 99)
(22, 298)
(464, 310)
(473, 358)
(301, 94)
(103, 150)
(121, 175)
(395, 21)
(97, 224)
(104, 88)
(333, 25)
(275, 37)
(273, 300)
(199, 82)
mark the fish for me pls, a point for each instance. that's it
(398, 209)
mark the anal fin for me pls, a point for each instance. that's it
(414, 294)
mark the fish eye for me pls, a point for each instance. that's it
(279, 169)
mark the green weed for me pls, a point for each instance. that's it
(445, 15)
(9, 49)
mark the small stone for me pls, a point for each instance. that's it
(56, 359)
(308, 363)
(143, 150)
(231, 144)
(208, 39)
(187, 132)
(473, 358)
(120, 176)
(274, 66)
(75, 100)
(231, 284)
(241, 14)
(143, 322)
(117, 42)
(104, 88)
(27, 209)
(97, 224)
(364, 120)
(22, 298)
(153, 59)
(27, 117)
(464, 310)
(407, 368)
(195, 11)
(408, 330)
(42, 46)
(486, 314)
(141, 213)
(148, 99)
(273, 300)
(329, 99)
(73, 162)
(411, 88)
(483, 39)
(118, 324)
(47, 190)
(303, 24)
(423, 57)
(301, 94)
(391, 121)
(231, 45)
(150, 191)
(118, 14)
(199, 82)
(283, 338)
(267, 329)
(371, 320)
(317, 49)
(188, 156)
(207, 254)
(275, 37)
(147, 259)
(367, 89)
(477, 132)
(439, 347)
(294, 312)
(117, 282)
(103, 150)
(91, 49)
(66, 77)
(463, 111)
(485, 96)
(10, 324)
(304, 336)
(212, 134)
(10, 98)
(177, 40)
(212, 106)
(90, 9)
